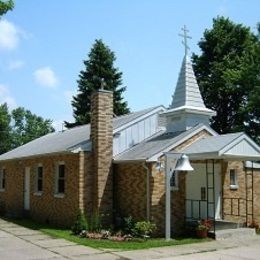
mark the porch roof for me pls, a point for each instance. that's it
(228, 146)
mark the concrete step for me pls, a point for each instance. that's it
(223, 224)
(234, 233)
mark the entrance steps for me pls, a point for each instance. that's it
(237, 233)
(224, 224)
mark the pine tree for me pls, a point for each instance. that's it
(99, 71)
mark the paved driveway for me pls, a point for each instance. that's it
(21, 243)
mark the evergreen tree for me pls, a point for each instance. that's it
(228, 71)
(99, 71)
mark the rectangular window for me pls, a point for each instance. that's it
(2, 179)
(60, 179)
(39, 179)
(233, 179)
(203, 193)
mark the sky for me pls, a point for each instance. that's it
(43, 44)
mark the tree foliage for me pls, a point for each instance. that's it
(5, 129)
(99, 70)
(28, 126)
(6, 6)
(20, 127)
(228, 72)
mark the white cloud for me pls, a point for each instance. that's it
(5, 97)
(9, 35)
(46, 77)
(15, 64)
(58, 125)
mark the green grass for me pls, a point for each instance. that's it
(104, 244)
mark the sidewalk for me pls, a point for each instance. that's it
(17, 242)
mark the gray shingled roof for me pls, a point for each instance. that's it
(187, 91)
(154, 145)
(66, 140)
(211, 144)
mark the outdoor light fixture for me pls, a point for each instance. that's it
(159, 166)
(182, 163)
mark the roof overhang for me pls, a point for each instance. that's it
(242, 148)
(155, 157)
(190, 109)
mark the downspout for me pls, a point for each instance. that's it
(147, 190)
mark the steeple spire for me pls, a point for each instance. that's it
(185, 37)
(187, 108)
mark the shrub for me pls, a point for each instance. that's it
(144, 228)
(129, 225)
(95, 223)
(80, 223)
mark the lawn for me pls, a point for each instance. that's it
(102, 243)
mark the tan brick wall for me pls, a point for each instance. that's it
(240, 193)
(46, 207)
(130, 190)
(102, 148)
(130, 195)
(257, 196)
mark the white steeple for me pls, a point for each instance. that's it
(187, 108)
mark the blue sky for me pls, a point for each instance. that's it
(43, 44)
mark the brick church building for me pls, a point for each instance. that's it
(115, 166)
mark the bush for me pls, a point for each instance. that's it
(95, 223)
(80, 223)
(129, 225)
(144, 228)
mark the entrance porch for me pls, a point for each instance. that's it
(221, 187)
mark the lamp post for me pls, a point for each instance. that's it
(181, 164)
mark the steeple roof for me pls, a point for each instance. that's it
(187, 93)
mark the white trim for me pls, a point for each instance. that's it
(38, 193)
(225, 149)
(190, 109)
(233, 186)
(59, 195)
(152, 112)
(203, 127)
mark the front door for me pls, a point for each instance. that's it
(196, 192)
(27, 189)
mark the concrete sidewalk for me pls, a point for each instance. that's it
(17, 242)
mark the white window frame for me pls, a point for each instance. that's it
(58, 194)
(37, 191)
(234, 185)
(2, 177)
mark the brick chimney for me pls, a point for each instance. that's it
(102, 149)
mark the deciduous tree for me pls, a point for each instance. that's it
(228, 72)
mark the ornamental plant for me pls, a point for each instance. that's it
(80, 223)
(204, 224)
(144, 228)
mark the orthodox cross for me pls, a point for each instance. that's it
(102, 84)
(185, 37)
